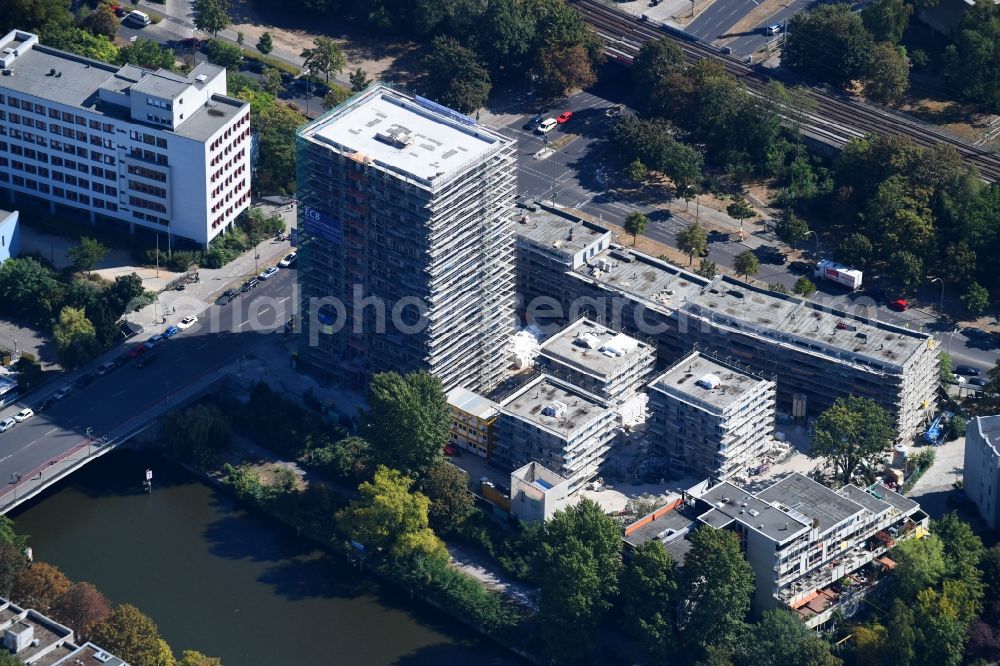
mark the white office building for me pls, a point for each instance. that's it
(159, 150)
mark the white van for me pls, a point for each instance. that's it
(138, 18)
(546, 126)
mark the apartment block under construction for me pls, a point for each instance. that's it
(816, 353)
(407, 250)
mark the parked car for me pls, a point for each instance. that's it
(967, 370)
(137, 350)
(899, 305)
(187, 322)
(532, 123)
(248, 285)
(227, 296)
(170, 332)
(800, 267)
(546, 126)
(288, 260)
(105, 368)
(153, 341)
(48, 402)
(63, 391)
(268, 273)
(614, 111)
(84, 380)
(24, 415)
(145, 360)
(977, 381)
(564, 117)
(7, 424)
(772, 29)
(771, 255)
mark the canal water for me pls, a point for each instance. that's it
(227, 581)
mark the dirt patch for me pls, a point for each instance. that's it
(961, 120)
(377, 55)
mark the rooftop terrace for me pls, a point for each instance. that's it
(693, 376)
(555, 407)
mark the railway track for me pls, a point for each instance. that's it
(836, 119)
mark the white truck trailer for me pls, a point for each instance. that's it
(842, 275)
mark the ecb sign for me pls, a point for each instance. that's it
(318, 223)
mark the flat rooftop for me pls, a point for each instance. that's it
(902, 504)
(91, 655)
(673, 524)
(730, 502)
(865, 499)
(77, 81)
(438, 144)
(594, 349)
(989, 427)
(683, 379)
(643, 277)
(812, 499)
(556, 231)
(471, 402)
(532, 401)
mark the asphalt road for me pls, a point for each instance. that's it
(222, 335)
(717, 20)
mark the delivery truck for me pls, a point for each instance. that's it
(838, 273)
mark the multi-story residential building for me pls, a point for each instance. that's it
(472, 418)
(407, 250)
(38, 640)
(812, 350)
(710, 418)
(537, 492)
(566, 429)
(812, 549)
(157, 150)
(601, 361)
(10, 235)
(981, 478)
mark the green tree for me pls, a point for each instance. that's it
(387, 515)
(852, 434)
(447, 487)
(212, 15)
(828, 43)
(692, 240)
(791, 228)
(888, 76)
(359, 80)
(39, 586)
(130, 635)
(560, 70)
(959, 263)
(717, 584)
(636, 171)
(29, 289)
(992, 388)
(199, 434)
(653, 143)
(12, 563)
(942, 628)
(855, 250)
(740, 208)
(972, 62)
(349, 458)
(271, 81)
(408, 421)
(8, 535)
(87, 253)
(804, 287)
(337, 95)
(81, 607)
(8, 659)
(635, 224)
(963, 549)
(746, 264)
(902, 634)
(75, 338)
(455, 75)
(777, 287)
(579, 561)
(223, 53)
(706, 269)
(779, 637)
(658, 64)
(265, 44)
(146, 53)
(194, 658)
(326, 57)
(102, 22)
(906, 267)
(920, 565)
(945, 373)
(77, 40)
(275, 124)
(649, 599)
(887, 20)
(240, 37)
(975, 299)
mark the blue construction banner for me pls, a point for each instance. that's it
(318, 223)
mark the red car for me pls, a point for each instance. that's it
(564, 117)
(137, 350)
(899, 305)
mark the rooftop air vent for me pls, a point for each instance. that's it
(396, 136)
(201, 78)
(555, 408)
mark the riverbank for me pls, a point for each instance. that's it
(458, 595)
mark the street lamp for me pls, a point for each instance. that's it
(816, 246)
(90, 439)
(941, 302)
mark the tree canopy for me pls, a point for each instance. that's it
(692, 240)
(132, 636)
(649, 598)
(852, 434)
(456, 76)
(829, 43)
(212, 15)
(408, 420)
(326, 57)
